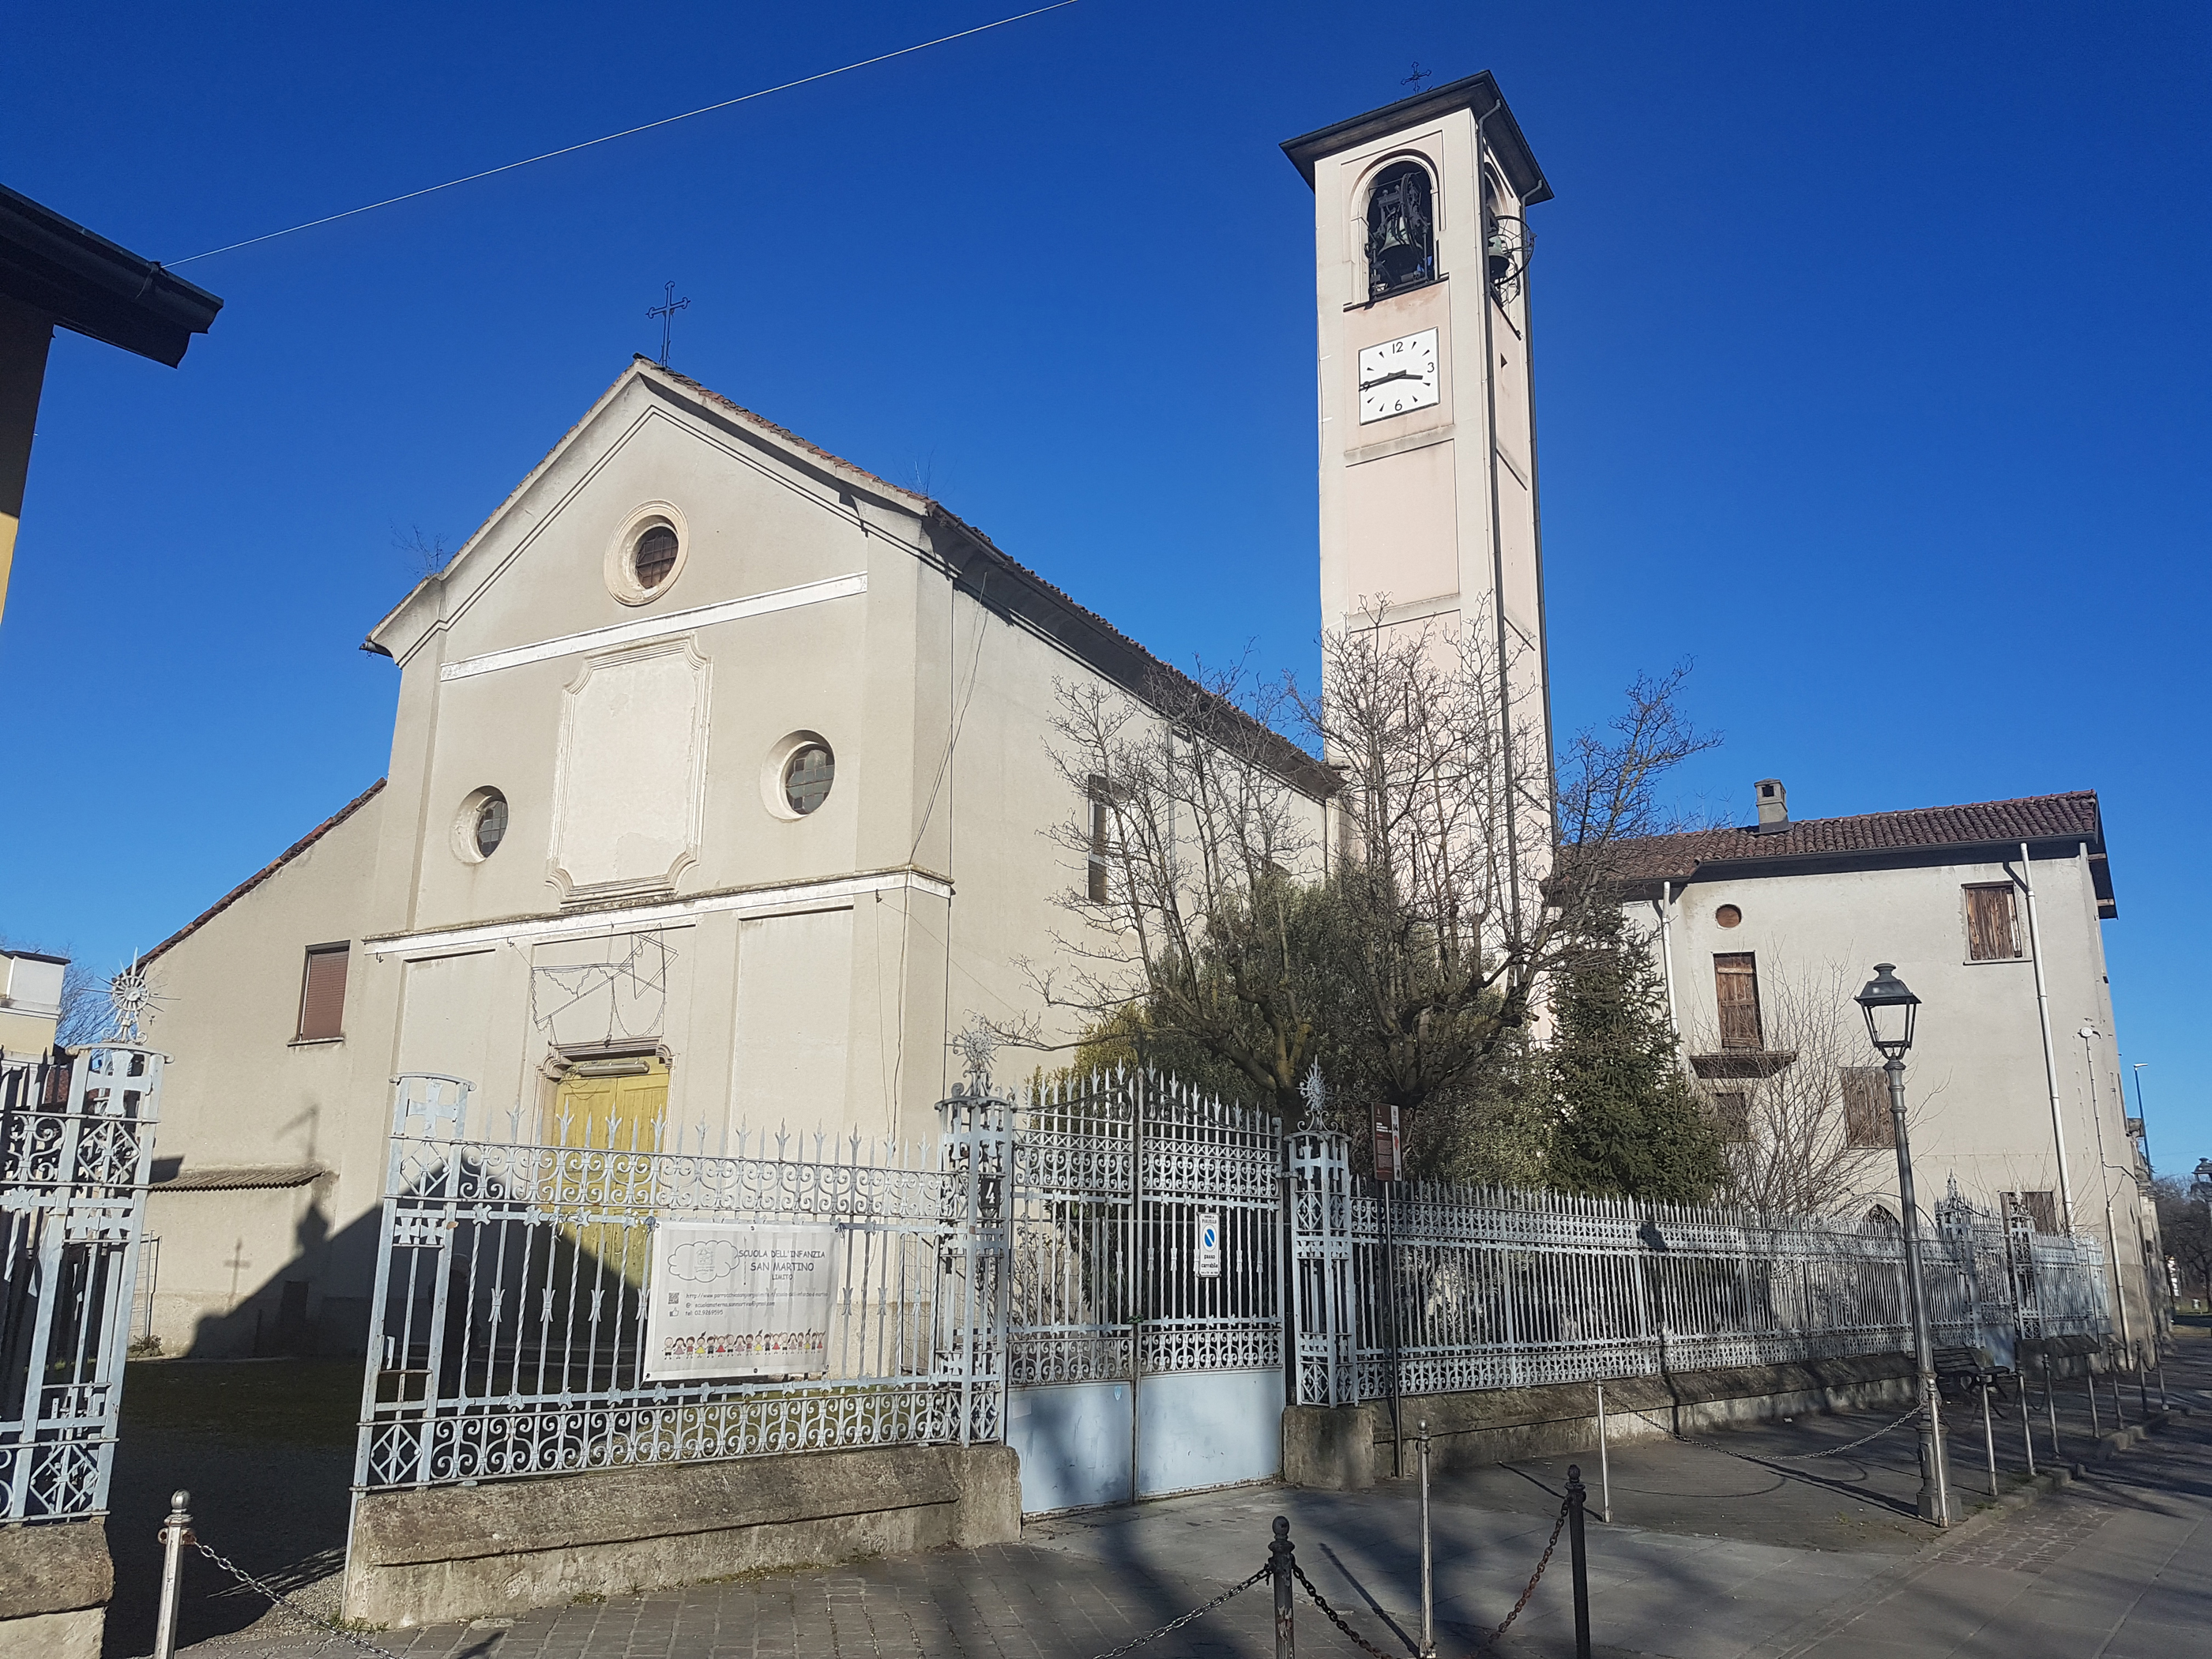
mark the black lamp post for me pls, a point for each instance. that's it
(1890, 1009)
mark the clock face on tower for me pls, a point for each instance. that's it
(1397, 376)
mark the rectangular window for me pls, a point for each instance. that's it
(1099, 827)
(2042, 1209)
(1732, 1114)
(1735, 981)
(1992, 929)
(1867, 1121)
(322, 994)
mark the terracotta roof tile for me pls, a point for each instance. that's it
(265, 871)
(2069, 816)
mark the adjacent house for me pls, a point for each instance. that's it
(1992, 913)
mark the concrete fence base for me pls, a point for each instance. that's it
(1340, 1448)
(55, 1582)
(452, 1553)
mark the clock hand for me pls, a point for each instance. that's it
(1395, 374)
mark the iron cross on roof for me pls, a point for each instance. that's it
(1419, 75)
(666, 312)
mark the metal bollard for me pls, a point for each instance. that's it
(2096, 1428)
(1989, 1432)
(2027, 1427)
(1428, 1567)
(1579, 1559)
(2142, 1383)
(2050, 1405)
(1281, 1556)
(1604, 1464)
(176, 1533)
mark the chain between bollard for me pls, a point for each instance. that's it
(337, 1632)
(1485, 1643)
(1174, 1625)
(1776, 1457)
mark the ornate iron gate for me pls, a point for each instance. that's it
(1144, 1330)
(75, 1145)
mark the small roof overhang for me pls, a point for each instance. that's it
(88, 284)
(1478, 93)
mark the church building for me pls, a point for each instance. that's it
(721, 788)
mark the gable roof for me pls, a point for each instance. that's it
(1923, 836)
(265, 871)
(1010, 590)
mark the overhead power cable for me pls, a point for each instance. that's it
(627, 133)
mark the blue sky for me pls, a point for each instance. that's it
(1871, 352)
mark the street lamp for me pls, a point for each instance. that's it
(1890, 1009)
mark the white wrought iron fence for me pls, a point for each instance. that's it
(1444, 1288)
(76, 1143)
(543, 1309)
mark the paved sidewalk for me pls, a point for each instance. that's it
(1712, 1556)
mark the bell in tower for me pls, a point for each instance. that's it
(1402, 231)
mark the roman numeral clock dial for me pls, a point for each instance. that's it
(1398, 376)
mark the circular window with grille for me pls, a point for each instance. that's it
(647, 554)
(480, 825)
(797, 778)
(807, 776)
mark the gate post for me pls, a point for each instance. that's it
(1321, 1248)
(978, 1147)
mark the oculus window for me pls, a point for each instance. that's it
(807, 776)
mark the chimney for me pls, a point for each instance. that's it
(1773, 806)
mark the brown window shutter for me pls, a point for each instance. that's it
(1867, 1121)
(1990, 934)
(1732, 1114)
(1736, 983)
(1101, 828)
(2042, 1209)
(322, 993)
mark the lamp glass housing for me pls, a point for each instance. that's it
(1891, 1009)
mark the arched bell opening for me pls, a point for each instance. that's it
(1401, 230)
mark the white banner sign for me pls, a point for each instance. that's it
(1209, 1246)
(735, 1300)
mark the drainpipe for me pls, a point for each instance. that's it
(1490, 463)
(2050, 1059)
(1667, 954)
(2088, 1035)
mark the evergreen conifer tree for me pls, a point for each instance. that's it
(1629, 1123)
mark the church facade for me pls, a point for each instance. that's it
(722, 792)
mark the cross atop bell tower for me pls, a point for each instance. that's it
(1427, 451)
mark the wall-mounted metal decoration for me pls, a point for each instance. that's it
(1506, 250)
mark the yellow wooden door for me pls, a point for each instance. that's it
(610, 1122)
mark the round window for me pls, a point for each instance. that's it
(1727, 915)
(807, 776)
(653, 557)
(489, 828)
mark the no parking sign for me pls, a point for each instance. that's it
(1209, 1246)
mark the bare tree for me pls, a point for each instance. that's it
(1471, 871)
(2184, 1227)
(1408, 955)
(1199, 846)
(1814, 1136)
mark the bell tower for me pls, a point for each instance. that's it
(1427, 451)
